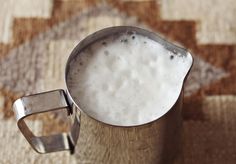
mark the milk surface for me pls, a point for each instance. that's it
(127, 79)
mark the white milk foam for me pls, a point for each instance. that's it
(127, 80)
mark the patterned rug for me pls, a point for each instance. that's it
(37, 36)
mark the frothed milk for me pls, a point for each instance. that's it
(127, 79)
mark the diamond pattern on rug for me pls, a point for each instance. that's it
(214, 25)
(17, 9)
(40, 45)
(32, 71)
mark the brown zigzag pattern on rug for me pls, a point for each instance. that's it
(170, 29)
(26, 28)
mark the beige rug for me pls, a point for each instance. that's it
(37, 36)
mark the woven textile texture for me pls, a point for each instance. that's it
(37, 36)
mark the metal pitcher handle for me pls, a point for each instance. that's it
(45, 102)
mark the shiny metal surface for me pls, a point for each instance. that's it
(58, 99)
(45, 102)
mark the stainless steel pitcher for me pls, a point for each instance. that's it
(156, 142)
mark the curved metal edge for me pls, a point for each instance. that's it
(19, 109)
(26, 106)
(117, 29)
